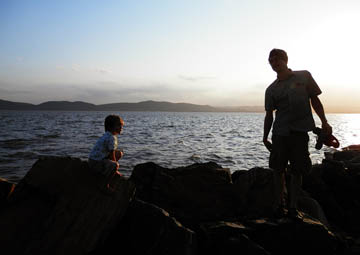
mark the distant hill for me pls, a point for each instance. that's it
(66, 106)
(8, 105)
(141, 106)
(242, 109)
(157, 106)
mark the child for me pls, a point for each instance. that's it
(104, 156)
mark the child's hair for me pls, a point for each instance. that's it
(111, 121)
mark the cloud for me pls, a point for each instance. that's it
(101, 71)
(103, 92)
(78, 68)
(195, 78)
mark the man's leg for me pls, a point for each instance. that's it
(300, 163)
(279, 188)
(293, 187)
(278, 162)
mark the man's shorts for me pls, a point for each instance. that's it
(105, 167)
(291, 149)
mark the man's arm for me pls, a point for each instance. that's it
(267, 127)
(319, 109)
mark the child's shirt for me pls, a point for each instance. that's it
(104, 145)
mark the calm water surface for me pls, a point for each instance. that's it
(233, 140)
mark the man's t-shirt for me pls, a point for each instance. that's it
(290, 99)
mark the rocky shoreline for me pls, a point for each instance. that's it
(59, 207)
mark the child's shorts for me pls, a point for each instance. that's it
(105, 166)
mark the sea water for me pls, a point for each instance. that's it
(170, 139)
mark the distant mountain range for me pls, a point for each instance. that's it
(141, 106)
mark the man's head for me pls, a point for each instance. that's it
(113, 123)
(281, 54)
(278, 60)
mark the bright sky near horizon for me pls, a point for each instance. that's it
(195, 51)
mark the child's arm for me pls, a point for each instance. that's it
(119, 154)
(113, 158)
(113, 155)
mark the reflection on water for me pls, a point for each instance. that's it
(234, 140)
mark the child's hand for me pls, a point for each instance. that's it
(117, 166)
(121, 153)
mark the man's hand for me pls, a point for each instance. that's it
(327, 129)
(267, 144)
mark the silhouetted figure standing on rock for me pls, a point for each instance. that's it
(291, 96)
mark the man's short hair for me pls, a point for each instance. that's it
(279, 53)
(112, 121)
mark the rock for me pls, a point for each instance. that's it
(237, 174)
(6, 188)
(256, 187)
(200, 192)
(346, 155)
(148, 229)
(338, 191)
(312, 207)
(265, 236)
(227, 238)
(353, 147)
(285, 236)
(59, 208)
(321, 192)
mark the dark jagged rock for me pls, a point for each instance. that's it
(321, 192)
(6, 188)
(182, 191)
(268, 236)
(227, 238)
(148, 229)
(59, 208)
(256, 188)
(346, 155)
(199, 192)
(338, 191)
(301, 236)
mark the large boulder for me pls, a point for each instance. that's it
(302, 236)
(61, 207)
(256, 188)
(336, 186)
(200, 192)
(346, 155)
(148, 229)
(207, 192)
(268, 236)
(224, 237)
(6, 188)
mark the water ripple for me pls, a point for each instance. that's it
(233, 140)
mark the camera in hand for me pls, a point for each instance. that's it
(323, 138)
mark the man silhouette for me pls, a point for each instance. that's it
(291, 96)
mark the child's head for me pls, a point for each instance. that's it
(114, 123)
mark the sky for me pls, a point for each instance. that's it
(210, 52)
